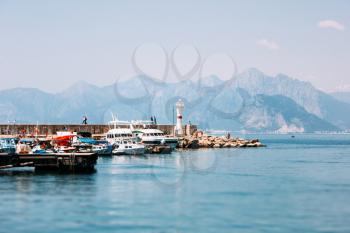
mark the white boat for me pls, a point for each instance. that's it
(128, 147)
(155, 137)
(123, 141)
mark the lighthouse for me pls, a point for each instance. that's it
(179, 110)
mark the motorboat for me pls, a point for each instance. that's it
(38, 149)
(102, 147)
(7, 145)
(24, 147)
(128, 147)
(42, 146)
(122, 139)
(150, 136)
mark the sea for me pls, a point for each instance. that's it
(294, 184)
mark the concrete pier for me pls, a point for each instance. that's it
(95, 129)
(63, 162)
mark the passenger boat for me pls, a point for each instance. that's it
(155, 137)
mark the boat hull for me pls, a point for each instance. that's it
(129, 151)
(172, 143)
(8, 150)
(104, 151)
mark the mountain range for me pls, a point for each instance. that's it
(342, 96)
(253, 101)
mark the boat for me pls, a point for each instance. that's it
(24, 146)
(151, 137)
(7, 145)
(122, 140)
(42, 146)
(128, 147)
(65, 149)
(63, 139)
(102, 147)
(38, 149)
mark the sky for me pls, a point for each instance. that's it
(53, 44)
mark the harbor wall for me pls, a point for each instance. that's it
(95, 129)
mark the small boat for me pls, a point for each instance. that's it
(128, 147)
(64, 139)
(102, 148)
(42, 146)
(38, 150)
(7, 145)
(65, 149)
(24, 147)
(87, 144)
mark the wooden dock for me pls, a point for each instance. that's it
(62, 162)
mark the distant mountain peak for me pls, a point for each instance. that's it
(211, 80)
(283, 76)
(252, 71)
(80, 86)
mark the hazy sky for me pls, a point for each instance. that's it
(53, 44)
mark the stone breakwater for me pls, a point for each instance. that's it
(200, 140)
(97, 130)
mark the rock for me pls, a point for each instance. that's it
(254, 141)
(259, 144)
(193, 144)
(201, 143)
(251, 145)
(200, 140)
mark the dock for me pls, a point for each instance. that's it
(61, 162)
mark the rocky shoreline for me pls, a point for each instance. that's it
(201, 140)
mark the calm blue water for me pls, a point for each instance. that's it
(293, 185)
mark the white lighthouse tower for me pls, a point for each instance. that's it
(179, 110)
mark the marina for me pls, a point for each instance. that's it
(78, 151)
(70, 152)
(174, 117)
